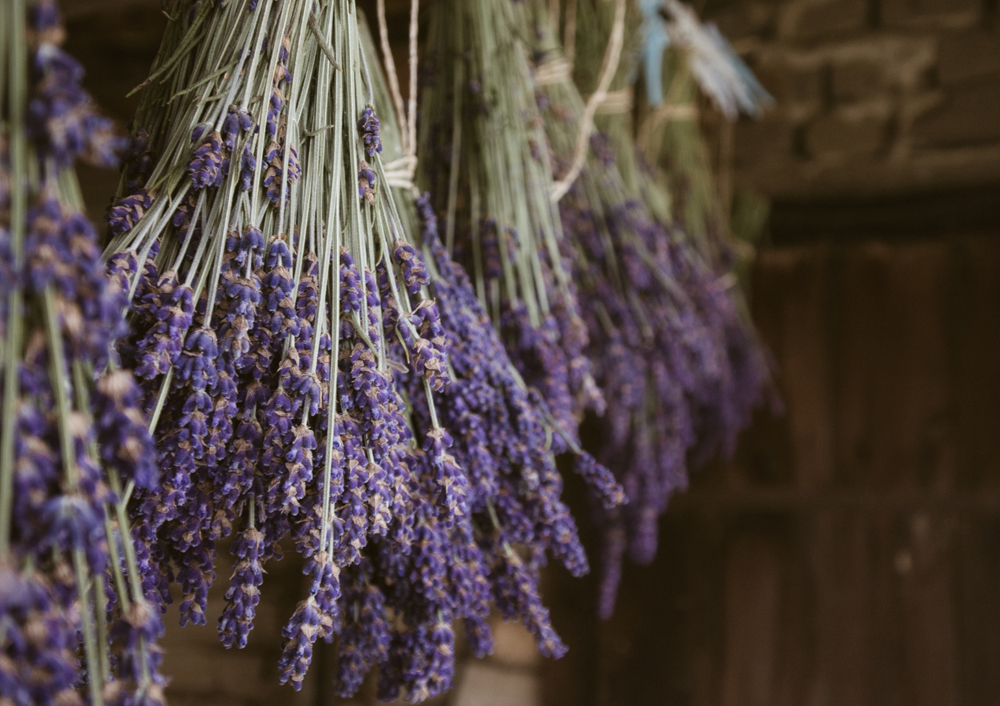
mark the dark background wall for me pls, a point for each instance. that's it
(874, 96)
(850, 553)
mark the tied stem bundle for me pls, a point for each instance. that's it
(485, 160)
(738, 367)
(503, 438)
(653, 314)
(76, 623)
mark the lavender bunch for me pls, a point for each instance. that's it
(252, 318)
(485, 159)
(76, 623)
(656, 319)
(302, 405)
(501, 439)
(731, 371)
(684, 199)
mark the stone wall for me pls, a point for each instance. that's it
(873, 96)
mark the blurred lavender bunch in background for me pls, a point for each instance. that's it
(76, 624)
(658, 318)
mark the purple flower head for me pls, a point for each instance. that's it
(137, 631)
(126, 212)
(122, 429)
(208, 165)
(299, 634)
(366, 634)
(515, 590)
(138, 159)
(62, 119)
(368, 128)
(244, 588)
(170, 307)
(276, 177)
(350, 285)
(601, 480)
(237, 120)
(248, 165)
(411, 265)
(366, 182)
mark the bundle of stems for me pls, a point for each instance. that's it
(76, 625)
(654, 321)
(484, 158)
(674, 158)
(306, 403)
(682, 199)
(503, 438)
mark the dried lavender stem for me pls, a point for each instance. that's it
(115, 559)
(190, 40)
(89, 645)
(135, 582)
(390, 70)
(59, 376)
(456, 154)
(17, 102)
(100, 597)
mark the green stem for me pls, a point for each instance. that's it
(87, 628)
(14, 30)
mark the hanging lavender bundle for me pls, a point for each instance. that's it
(485, 159)
(308, 402)
(75, 623)
(651, 317)
(736, 372)
(683, 196)
(502, 437)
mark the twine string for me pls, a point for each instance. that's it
(650, 136)
(400, 172)
(554, 71)
(608, 68)
(617, 102)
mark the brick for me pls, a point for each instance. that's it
(857, 79)
(797, 92)
(514, 646)
(745, 19)
(839, 136)
(484, 685)
(931, 14)
(968, 55)
(968, 115)
(813, 20)
(767, 141)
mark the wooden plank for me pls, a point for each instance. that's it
(752, 614)
(975, 336)
(929, 622)
(790, 302)
(860, 341)
(834, 571)
(977, 577)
